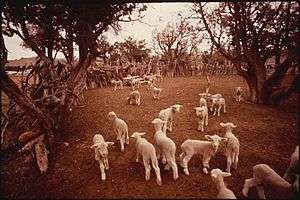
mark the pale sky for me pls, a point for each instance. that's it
(157, 16)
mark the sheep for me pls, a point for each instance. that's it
(218, 177)
(155, 91)
(294, 165)
(101, 153)
(134, 98)
(265, 177)
(167, 115)
(202, 114)
(217, 104)
(165, 146)
(232, 146)
(120, 128)
(238, 93)
(206, 148)
(147, 150)
(117, 84)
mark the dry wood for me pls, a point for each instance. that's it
(41, 155)
(30, 144)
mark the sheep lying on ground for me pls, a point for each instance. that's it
(155, 91)
(168, 115)
(101, 153)
(232, 146)
(117, 84)
(120, 128)
(238, 93)
(165, 147)
(265, 177)
(217, 104)
(206, 148)
(293, 168)
(134, 98)
(218, 177)
(147, 151)
(202, 115)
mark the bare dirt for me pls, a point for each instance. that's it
(267, 135)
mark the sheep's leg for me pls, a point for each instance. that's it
(185, 161)
(157, 152)
(172, 163)
(127, 137)
(106, 163)
(137, 156)
(170, 125)
(236, 160)
(215, 111)
(249, 183)
(205, 162)
(181, 159)
(261, 192)
(229, 162)
(206, 120)
(157, 171)
(224, 107)
(103, 176)
(219, 109)
(122, 144)
(147, 169)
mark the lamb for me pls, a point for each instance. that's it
(168, 115)
(294, 165)
(202, 114)
(218, 177)
(134, 98)
(101, 153)
(117, 84)
(120, 128)
(265, 176)
(217, 104)
(165, 146)
(238, 93)
(155, 91)
(147, 150)
(206, 148)
(232, 147)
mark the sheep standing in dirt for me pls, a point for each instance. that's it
(217, 104)
(293, 168)
(147, 151)
(117, 84)
(120, 128)
(231, 147)
(238, 93)
(168, 115)
(265, 177)
(101, 153)
(155, 91)
(165, 147)
(202, 115)
(134, 98)
(206, 148)
(218, 177)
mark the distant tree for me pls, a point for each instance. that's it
(248, 34)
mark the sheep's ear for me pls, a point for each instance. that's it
(154, 121)
(110, 143)
(234, 126)
(224, 139)
(143, 133)
(222, 124)
(93, 146)
(226, 174)
(208, 137)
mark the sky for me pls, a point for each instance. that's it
(156, 16)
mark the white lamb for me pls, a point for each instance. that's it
(206, 148)
(117, 84)
(202, 115)
(265, 177)
(217, 104)
(232, 146)
(147, 151)
(101, 153)
(218, 177)
(294, 165)
(238, 93)
(120, 128)
(155, 91)
(168, 115)
(134, 98)
(165, 147)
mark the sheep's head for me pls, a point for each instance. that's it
(176, 108)
(111, 116)
(215, 140)
(113, 81)
(217, 173)
(199, 111)
(101, 148)
(158, 124)
(228, 126)
(137, 134)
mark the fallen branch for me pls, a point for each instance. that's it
(41, 154)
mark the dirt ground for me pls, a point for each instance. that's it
(267, 135)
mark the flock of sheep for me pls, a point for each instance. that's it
(164, 148)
